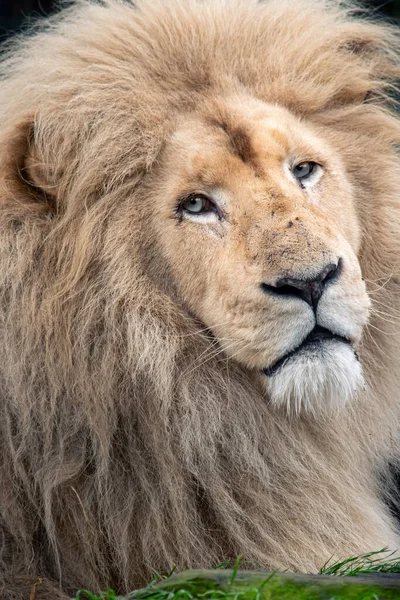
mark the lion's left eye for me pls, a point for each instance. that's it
(197, 203)
(303, 170)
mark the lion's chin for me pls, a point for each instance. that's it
(319, 379)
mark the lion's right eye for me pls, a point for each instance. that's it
(198, 204)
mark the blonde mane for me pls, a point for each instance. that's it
(127, 440)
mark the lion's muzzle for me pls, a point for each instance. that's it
(308, 289)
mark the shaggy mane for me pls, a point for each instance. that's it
(126, 441)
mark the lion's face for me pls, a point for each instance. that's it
(258, 224)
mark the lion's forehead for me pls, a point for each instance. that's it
(243, 141)
(240, 152)
(246, 125)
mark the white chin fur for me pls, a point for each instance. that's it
(322, 379)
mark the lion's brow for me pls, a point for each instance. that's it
(239, 141)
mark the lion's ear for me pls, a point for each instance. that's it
(37, 171)
(24, 171)
(369, 63)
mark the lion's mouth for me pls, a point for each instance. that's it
(314, 340)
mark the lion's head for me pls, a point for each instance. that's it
(199, 229)
(256, 218)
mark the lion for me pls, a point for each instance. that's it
(200, 295)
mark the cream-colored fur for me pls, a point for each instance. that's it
(138, 428)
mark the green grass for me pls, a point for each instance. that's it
(380, 561)
(356, 578)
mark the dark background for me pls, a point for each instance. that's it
(15, 13)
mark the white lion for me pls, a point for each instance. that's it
(199, 292)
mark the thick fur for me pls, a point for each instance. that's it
(128, 440)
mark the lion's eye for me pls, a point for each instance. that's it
(198, 204)
(304, 170)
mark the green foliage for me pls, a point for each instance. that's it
(235, 584)
(379, 561)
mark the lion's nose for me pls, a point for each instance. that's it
(309, 290)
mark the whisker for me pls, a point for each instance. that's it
(247, 344)
(391, 309)
(369, 281)
(381, 315)
(369, 325)
(208, 329)
(213, 354)
(371, 337)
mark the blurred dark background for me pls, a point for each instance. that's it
(15, 13)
